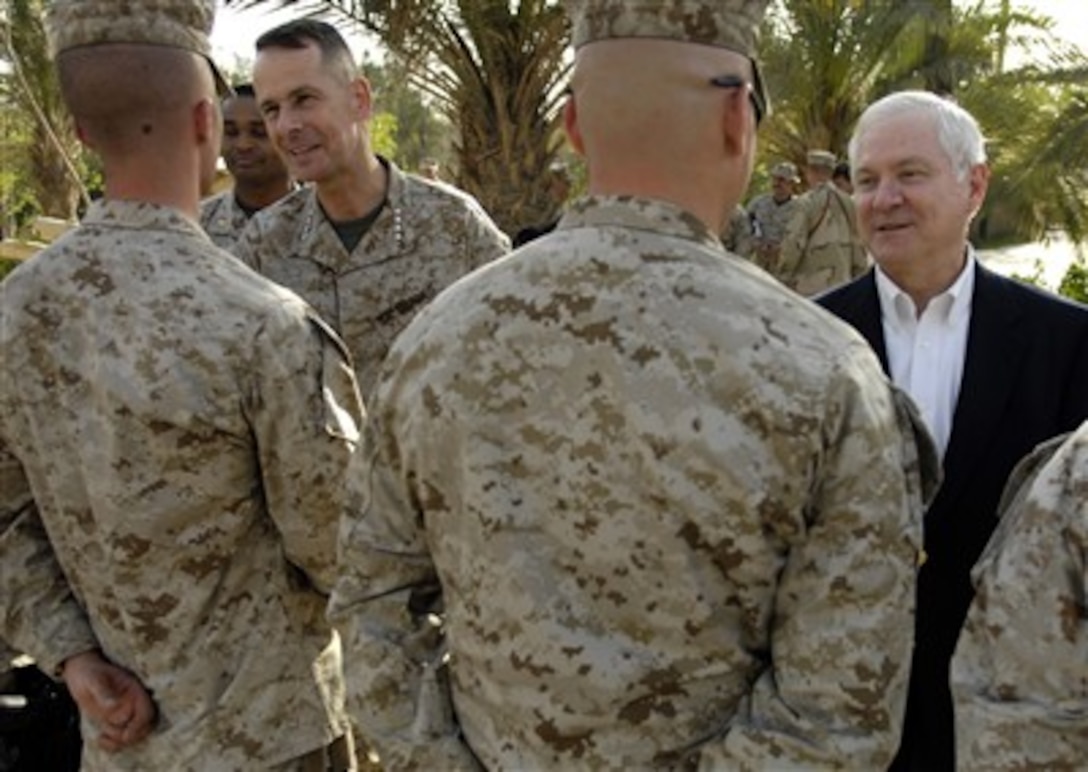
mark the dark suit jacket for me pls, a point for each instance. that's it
(1025, 379)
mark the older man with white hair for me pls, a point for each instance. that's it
(994, 365)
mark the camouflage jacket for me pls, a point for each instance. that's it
(737, 233)
(1020, 672)
(174, 433)
(426, 237)
(222, 219)
(672, 511)
(821, 248)
(769, 222)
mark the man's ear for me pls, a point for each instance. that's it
(364, 105)
(570, 126)
(979, 180)
(206, 121)
(737, 121)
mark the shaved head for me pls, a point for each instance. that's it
(115, 117)
(649, 121)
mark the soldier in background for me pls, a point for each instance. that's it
(632, 504)
(366, 244)
(770, 213)
(841, 178)
(821, 248)
(174, 436)
(430, 169)
(737, 234)
(1019, 670)
(259, 175)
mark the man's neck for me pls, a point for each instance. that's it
(354, 194)
(125, 182)
(923, 283)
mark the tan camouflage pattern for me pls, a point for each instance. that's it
(174, 434)
(1020, 672)
(732, 24)
(184, 24)
(821, 248)
(222, 219)
(637, 466)
(427, 236)
(771, 221)
(737, 233)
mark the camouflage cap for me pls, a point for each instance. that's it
(184, 24)
(732, 24)
(821, 159)
(785, 170)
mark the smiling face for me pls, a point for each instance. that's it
(315, 116)
(781, 188)
(247, 149)
(913, 208)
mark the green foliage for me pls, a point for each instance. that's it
(1075, 282)
(7, 266)
(825, 60)
(419, 132)
(383, 134)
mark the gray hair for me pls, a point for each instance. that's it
(957, 130)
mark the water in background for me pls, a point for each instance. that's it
(1055, 254)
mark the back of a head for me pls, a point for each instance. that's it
(957, 130)
(303, 33)
(125, 96)
(819, 166)
(643, 82)
(128, 67)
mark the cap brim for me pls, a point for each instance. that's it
(222, 87)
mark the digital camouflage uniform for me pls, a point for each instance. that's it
(427, 236)
(770, 220)
(673, 509)
(222, 219)
(737, 233)
(174, 432)
(821, 248)
(1020, 673)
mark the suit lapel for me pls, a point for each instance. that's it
(995, 345)
(861, 309)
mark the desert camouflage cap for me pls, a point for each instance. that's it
(821, 159)
(785, 170)
(732, 24)
(184, 24)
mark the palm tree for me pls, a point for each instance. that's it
(824, 60)
(495, 69)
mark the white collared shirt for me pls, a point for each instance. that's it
(926, 353)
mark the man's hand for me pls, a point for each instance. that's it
(111, 698)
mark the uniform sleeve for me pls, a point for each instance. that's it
(1020, 668)
(794, 242)
(39, 614)
(741, 241)
(385, 606)
(484, 242)
(306, 414)
(247, 246)
(834, 691)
